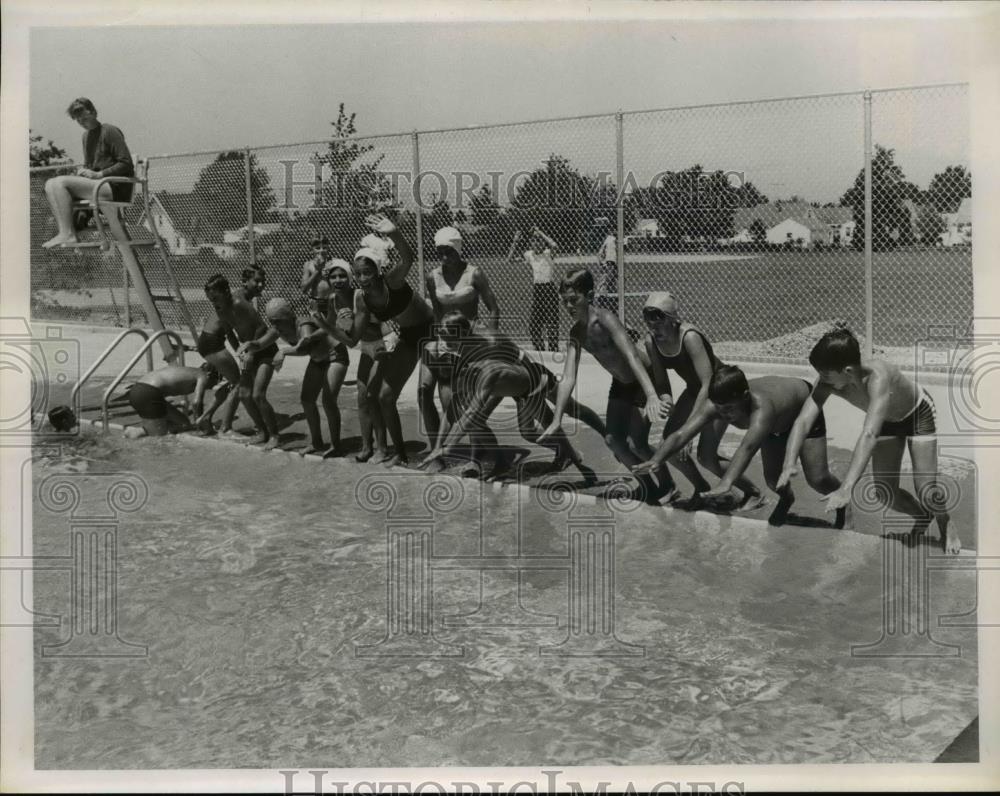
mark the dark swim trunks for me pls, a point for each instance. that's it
(148, 401)
(921, 422)
(629, 393)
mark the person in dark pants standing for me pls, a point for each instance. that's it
(544, 293)
(105, 155)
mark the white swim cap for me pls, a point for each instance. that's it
(664, 302)
(449, 236)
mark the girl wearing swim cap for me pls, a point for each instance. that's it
(388, 297)
(674, 344)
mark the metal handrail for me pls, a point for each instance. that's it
(144, 350)
(104, 355)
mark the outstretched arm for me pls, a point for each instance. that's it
(878, 405)
(676, 441)
(566, 386)
(630, 354)
(760, 426)
(800, 428)
(396, 276)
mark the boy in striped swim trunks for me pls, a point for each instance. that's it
(897, 416)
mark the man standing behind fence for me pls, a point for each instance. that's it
(105, 154)
(544, 294)
(606, 295)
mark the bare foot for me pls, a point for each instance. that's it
(363, 455)
(379, 457)
(333, 452)
(470, 470)
(435, 466)
(59, 240)
(397, 460)
(257, 439)
(271, 444)
(951, 543)
(315, 447)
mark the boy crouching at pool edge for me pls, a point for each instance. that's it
(767, 407)
(148, 397)
(633, 403)
(898, 415)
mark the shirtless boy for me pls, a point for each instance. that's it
(766, 407)
(897, 416)
(632, 400)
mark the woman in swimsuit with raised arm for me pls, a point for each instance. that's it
(452, 286)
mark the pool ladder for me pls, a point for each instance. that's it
(145, 349)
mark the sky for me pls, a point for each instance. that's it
(184, 89)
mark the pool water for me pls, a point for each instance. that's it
(283, 606)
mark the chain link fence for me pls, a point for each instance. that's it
(753, 214)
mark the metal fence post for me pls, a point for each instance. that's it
(420, 214)
(869, 307)
(249, 182)
(620, 254)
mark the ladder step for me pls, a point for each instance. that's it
(89, 244)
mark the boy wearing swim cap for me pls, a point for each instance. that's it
(898, 415)
(766, 407)
(632, 400)
(673, 344)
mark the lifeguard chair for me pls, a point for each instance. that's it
(157, 288)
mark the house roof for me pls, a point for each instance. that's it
(192, 217)
(811, 224)
(773, 213)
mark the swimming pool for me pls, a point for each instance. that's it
(281, 606)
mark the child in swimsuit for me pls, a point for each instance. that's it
(453, 286)
(632, 400)
(766, 407)
(385, 298)
(484, 370)
(148, 397)
(241, 323)
(324, 373)
(897, 416)
(673, 344)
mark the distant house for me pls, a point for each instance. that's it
(801, 232)
(647, 228)
(958, 225)
(794, 221)
(242, 234)
(186, 224)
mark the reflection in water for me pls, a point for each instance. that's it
(254, 580)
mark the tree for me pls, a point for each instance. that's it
(484, 208)
(890, 218)
(758, 231)
(351, 182)
(221, 188)
(44, 155)
(695, 204)
(560, 200)
(948, 188)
